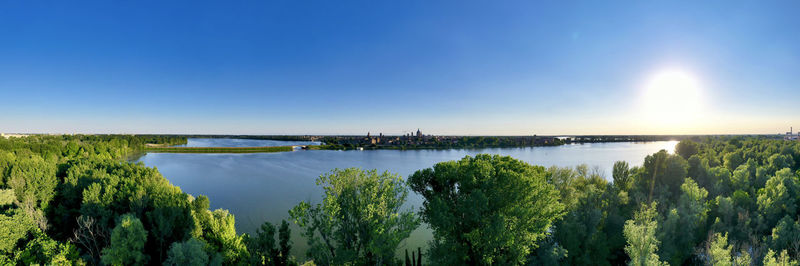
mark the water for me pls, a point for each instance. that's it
(225, 142)
(260, 187)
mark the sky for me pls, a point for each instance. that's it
(352, 67)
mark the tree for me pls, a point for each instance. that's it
(640, 232)
(686, 148)
(46, 251)
(662, 177)
(774, 259)
(13, 227)
(733, 160)
(127, 243)
(171, 219)
(284, 243)
(263, 250)
(718, 251)
(34, 182)
(7, 197)
(359, 220)
(780, 161)
(778, 198)
(222, 238)
(685, 224)
(90, 236)
(262, 247)
(621, 175)
(582, 230)
(786, 236)
(190, 252)
(487, 209)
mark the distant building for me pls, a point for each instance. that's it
(791, 136)
(8, 136)
(419, 133)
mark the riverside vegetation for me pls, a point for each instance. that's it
(73, 200)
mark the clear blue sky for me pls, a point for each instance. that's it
(348, 67)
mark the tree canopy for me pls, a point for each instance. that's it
(486, 209)
(360, 220)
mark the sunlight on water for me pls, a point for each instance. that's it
(670, 146)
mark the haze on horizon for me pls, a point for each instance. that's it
(448, 68)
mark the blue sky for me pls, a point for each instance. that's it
(348, 67)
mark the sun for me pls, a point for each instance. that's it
(672, 98)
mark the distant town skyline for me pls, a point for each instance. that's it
(447, 67)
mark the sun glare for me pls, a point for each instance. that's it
(672, 98)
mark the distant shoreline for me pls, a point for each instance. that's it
(425, 142)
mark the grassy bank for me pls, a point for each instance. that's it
(218, 149)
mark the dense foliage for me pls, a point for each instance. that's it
(485, 209)
(73, 199)
(717, 201)
(360, 221)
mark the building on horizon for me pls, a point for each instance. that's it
(791, 136)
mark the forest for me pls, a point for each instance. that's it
(75, 200)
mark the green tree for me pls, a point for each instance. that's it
(284, 243)
(640, 233)
(743, 176)
(733, 160)
(171, 219)
(34, 182)
(719, 253)
(786, 236)
(191, 252)
(686, 148)
(582, 231)
(222, 238)
(7, 197)
(780, 161)
(127, 243)
(44, 250)
(621, 175)
(778, 198)
(487, 209)
(661, 177)
(782, 259)
(359, 220)
(743, 259)
(14, 227)
(263, 249)
(685, 225)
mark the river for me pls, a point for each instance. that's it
(260, 187)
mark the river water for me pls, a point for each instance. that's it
(260, 187)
